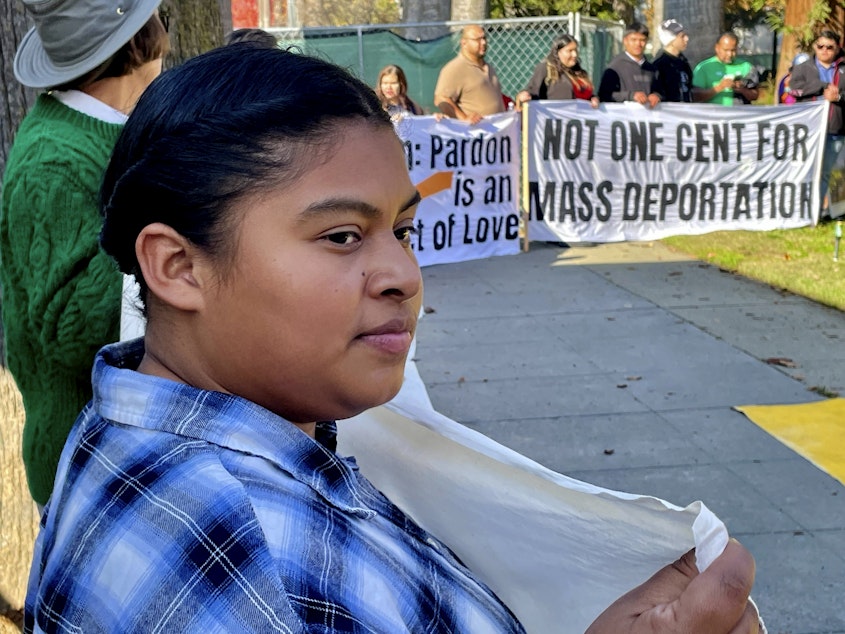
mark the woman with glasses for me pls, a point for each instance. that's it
(821, 77)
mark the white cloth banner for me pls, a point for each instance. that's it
(627, 172)
(556, 550)
(468, 176)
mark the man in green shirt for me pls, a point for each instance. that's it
(724, 79)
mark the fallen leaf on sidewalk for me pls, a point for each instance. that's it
(781, 361)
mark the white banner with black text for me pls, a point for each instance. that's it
(624, 172)
(468, 177)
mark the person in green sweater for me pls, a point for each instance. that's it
(61, 294)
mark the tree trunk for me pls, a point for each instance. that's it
(656, 13)
(225, 8)
(195, 26)
(18, 515)
(703, 20)
(426, 11)
(14, 98)
(467, 10)
(795, 17)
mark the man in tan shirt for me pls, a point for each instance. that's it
(468, 88)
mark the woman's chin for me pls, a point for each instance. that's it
(372, 398)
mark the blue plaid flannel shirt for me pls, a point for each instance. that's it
(183, 510)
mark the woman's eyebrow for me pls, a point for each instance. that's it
(345, 205)
(413, 200)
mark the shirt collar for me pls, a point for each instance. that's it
(821, 66)
(467, 60)
(123, 395)
(635, 60)
(86, 104)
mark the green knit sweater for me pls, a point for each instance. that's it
(61, 293)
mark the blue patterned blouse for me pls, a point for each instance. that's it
(183, 510)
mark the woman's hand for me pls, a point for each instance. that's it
(679, 600)
(521, 97)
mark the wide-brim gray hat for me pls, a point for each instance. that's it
(73, 37)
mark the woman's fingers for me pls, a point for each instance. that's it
(679, 600)
(716, 600)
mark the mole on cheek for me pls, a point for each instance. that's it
(363, 274)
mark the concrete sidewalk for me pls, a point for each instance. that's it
(619, 365)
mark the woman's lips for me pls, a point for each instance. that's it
(392, 337)
(388, 342)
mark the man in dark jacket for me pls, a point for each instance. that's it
(674, 74)
(821, 77)
(630, 76)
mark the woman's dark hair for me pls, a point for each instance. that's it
(232, 122)
(404, 100)
(150, 43)
(555, 69)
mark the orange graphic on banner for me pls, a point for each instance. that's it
(434, 184)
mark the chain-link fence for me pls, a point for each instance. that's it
(421, 49)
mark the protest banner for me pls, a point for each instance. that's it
(556, 550)
(625, 172)
(468, 177)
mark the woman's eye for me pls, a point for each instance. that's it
(403, 234)
(343, 237)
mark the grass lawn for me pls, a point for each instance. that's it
(798, 260)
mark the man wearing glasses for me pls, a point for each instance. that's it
(468, 87)
(821, 77)
(724, 79)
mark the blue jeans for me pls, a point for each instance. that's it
(833, 146)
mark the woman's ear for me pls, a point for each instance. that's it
(175, 271)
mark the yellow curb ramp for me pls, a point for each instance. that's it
(814, 430)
